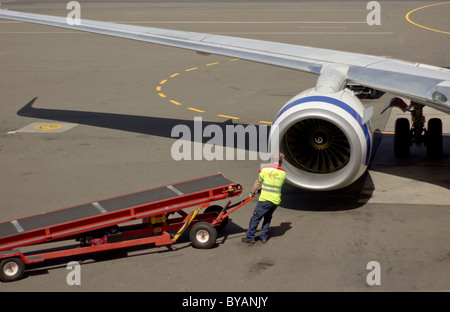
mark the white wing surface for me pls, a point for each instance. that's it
(428, 85)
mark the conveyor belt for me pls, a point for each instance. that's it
(182, 190)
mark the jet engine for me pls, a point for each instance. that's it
(326, 139)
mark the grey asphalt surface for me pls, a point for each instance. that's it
(118, 140)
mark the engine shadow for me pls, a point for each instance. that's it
(417, 167)
(348, 198)
(351, 197)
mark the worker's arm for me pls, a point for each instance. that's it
(255, 187)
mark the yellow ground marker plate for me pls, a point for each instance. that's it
(46, 127)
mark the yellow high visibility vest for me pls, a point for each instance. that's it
(272, 178)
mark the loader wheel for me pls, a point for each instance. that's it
(203, 235)
(218, 209)
(11, 269)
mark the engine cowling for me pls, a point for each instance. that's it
(327, 139)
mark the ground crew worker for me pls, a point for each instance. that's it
(270, 178)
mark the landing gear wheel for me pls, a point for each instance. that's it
(11, 269)
(218, 209)
(402, 138)
(434, 138)
(203, 235)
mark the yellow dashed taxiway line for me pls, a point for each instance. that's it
(162, 95)
(175, 102)
(226, 116)
(196, 110)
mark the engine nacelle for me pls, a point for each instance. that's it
(327, 139)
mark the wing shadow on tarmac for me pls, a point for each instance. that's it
(351, 197)
(148, 125)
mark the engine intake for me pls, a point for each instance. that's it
(317, 146)
(325, 138)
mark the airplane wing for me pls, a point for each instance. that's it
(425, 84)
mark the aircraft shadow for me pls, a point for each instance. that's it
(351, 197)
(148, 125)
(417, 166)
(348, 198)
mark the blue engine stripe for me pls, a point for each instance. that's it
(335, 102)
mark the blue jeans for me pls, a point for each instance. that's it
(264, 209)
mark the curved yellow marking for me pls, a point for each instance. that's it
(159, 88)
(427, 28)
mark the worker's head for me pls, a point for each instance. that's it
(277, 158)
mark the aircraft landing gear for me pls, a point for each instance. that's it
(405, 136)
(434, 138)
(402, 138)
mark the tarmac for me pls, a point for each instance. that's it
(85, 117)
